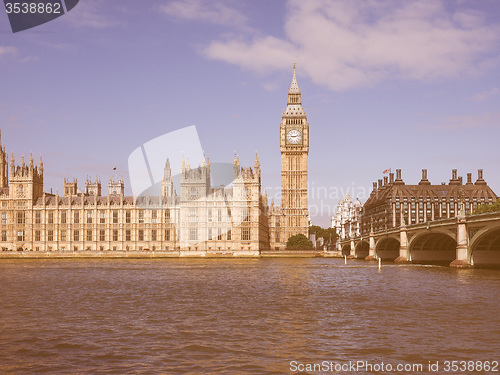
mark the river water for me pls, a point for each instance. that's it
(243, 316)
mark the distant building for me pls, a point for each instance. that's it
(347, 220)
(392, 202)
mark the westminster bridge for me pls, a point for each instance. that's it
(462, 241)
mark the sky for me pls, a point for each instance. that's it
(386, 84)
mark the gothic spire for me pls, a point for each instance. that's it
(294, 87)
(40, 165)
(294, 97)
(256, 161)
(167, 172)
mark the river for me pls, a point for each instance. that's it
(244, 316)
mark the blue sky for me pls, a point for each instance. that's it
(386, 84)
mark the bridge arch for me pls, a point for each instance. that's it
(346, 249)
(387, 248)
(437, 247)
(485, 250)
(362, 249)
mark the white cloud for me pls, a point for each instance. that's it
(213, 12)
(7, 51)
(482, 96)
(345, 44)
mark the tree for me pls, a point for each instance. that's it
(329, 235)
(299, 242)
(317, 230)
(487, 208)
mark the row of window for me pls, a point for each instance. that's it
(88, 217)
(436, 205)
(88, 235)
(445, 199)
(193, 234)
(193, 215)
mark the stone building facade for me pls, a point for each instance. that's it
(347, 220)
(199, 219)
(393, 203)
(293, 216)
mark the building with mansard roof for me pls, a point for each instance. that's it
(392, 202)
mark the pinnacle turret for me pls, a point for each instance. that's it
(294, 86)
(294, 103)
(40, 166)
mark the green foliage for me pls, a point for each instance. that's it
(487, 208)
(299, 242)
(329, 235)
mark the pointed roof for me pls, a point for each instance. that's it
(294, 87)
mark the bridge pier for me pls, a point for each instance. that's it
(463, 259)
(352, 255)
(371, 250)
(404, 256)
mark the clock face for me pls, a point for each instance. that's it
(294, 136)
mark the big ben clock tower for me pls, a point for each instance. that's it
(294, 145)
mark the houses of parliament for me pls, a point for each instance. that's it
(199, 219)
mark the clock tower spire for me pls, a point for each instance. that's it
(294, 146)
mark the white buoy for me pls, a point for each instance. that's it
(345, 259)
(379, 263)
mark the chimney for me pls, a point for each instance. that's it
(379, 183)
(480, 180)
(398, 181)
(374, 186)
(391, 177)
(461, 180)
(454, 179)
(386, 180)
(424, 180)
(469, 179)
